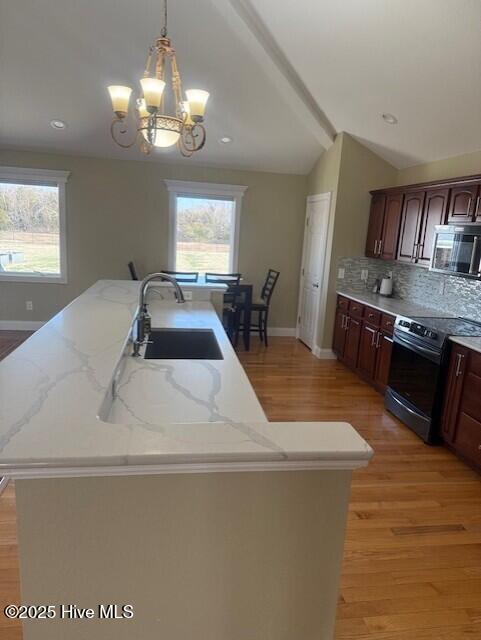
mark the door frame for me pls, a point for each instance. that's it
(322, 292)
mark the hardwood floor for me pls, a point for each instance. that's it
(412, 565)
(10, 340)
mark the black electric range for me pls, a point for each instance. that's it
(418, 367)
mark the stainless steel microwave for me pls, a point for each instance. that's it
(457, 250)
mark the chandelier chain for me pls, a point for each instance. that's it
(163, 32)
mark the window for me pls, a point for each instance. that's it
(32, 225)
(204, 226)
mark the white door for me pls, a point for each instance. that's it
(312, 270)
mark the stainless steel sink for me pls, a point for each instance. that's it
(182, 344)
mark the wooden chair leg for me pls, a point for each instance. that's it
(266, 313)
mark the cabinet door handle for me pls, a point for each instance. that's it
(459, 359)
(343, 318)
(375, 247)
(373, 335)
(415, 248)
(478, 199)
(380, 247)
(348, 319)
(378, 340)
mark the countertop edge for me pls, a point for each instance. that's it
(470, 343)
(342, 464)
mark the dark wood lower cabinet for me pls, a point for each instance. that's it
(461, 420)
(367, 351)
(383, 362)
(339, 340)
(353, 337)
(362, 340)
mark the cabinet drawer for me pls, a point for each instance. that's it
(373, 316)
(342, 303)
(356, 309)
(387, 323)
(468, 438)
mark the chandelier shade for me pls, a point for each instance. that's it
(155, 125)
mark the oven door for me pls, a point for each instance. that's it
(413, 383)
(457, 250)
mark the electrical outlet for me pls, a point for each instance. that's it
(389, 274)
(29, 305)
(187, 295)
(364, 274)
(341, 273)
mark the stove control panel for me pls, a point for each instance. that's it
(417, 329)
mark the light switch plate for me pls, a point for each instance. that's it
(341, 273)
(29, 305)
(364, 274)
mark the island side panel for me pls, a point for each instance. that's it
(219, 556)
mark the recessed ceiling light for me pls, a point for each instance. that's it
(389, 118)
(225, 140)
(58, 124)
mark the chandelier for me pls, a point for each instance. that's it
(155, 126)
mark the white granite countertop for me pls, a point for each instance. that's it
(58, 417)
(399, 307)
(395, 306)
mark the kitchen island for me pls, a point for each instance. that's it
(160, 484)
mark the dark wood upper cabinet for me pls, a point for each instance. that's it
(411, 226)
(435, 212)
(376, 219)
(390, 229)
(464, 203)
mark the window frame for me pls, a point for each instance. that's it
(43, 178)
(182, 188)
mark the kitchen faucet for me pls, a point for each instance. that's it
(142, 321)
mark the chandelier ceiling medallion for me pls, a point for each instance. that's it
(156, 126)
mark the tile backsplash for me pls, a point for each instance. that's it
(456, 296)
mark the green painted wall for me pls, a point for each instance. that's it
(118, 211)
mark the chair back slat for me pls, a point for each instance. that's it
(269, 285)
(223, 278)
(183, 276)
(132, 270)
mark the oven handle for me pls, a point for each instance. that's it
(417, 348)
(404, 406)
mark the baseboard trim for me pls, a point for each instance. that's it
(281, 331)
(324, 354)
(20, 325)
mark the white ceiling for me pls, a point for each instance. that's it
(347, 62)
(57, 58)
(417, 59)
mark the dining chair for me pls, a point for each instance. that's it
(237, 314)
(183, 276)
(132, 270)
(261, 306)
(230, 279)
